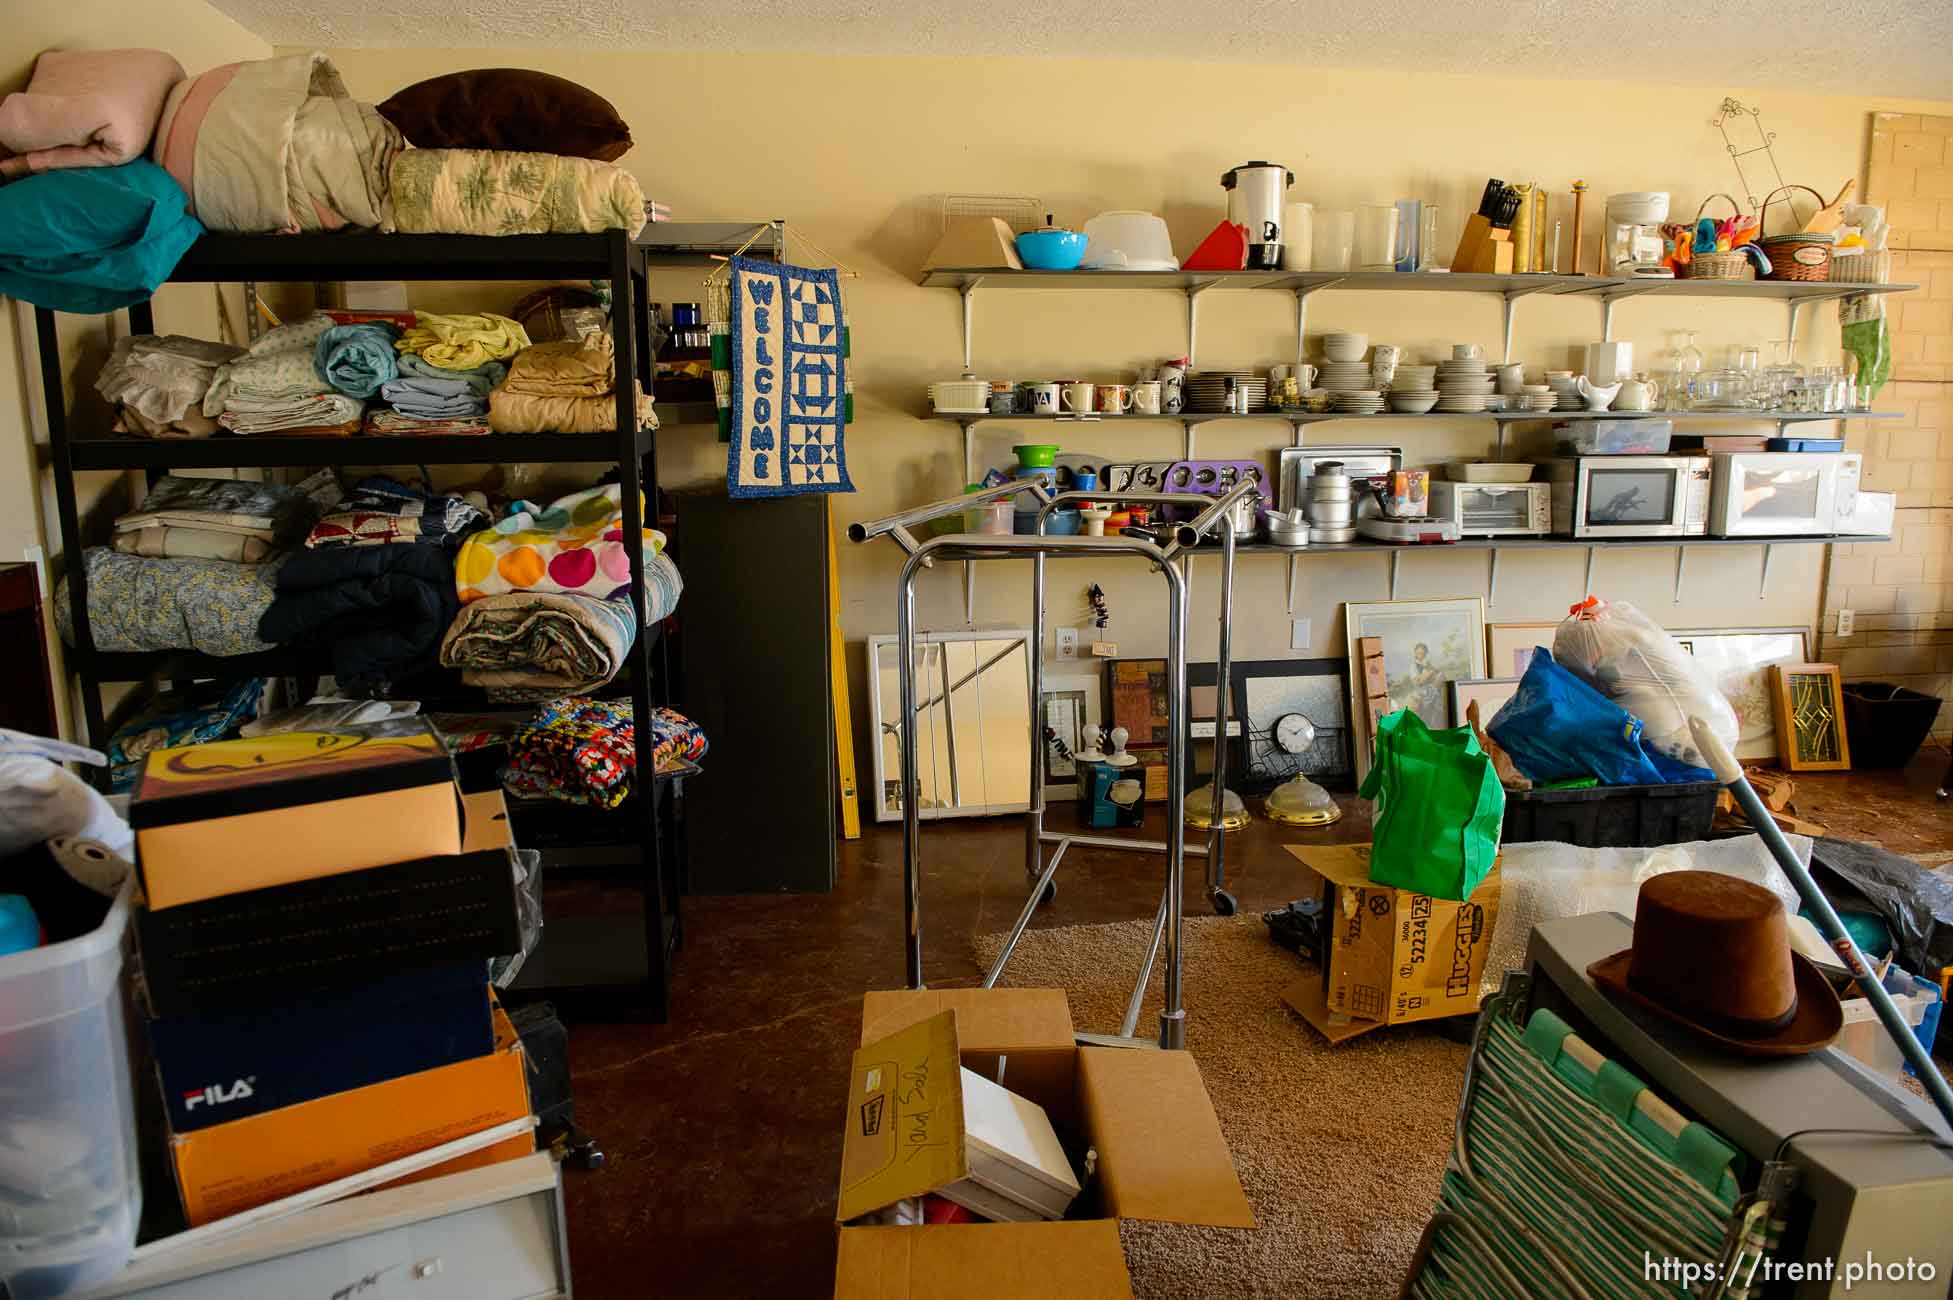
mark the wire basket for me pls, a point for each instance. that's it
(1795, 256)
(1711, 265)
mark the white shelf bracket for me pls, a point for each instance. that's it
(969, 593)
(1790, 321)
(1301, 326)
(1607, 319)
(1187, 438)
(969, 320)
(969, 451)
(1492, 580)
(1509, 313)
(1296, 431)
(1193, 318)
(1396, 559)
(1501, 426)
(1592, 555)
(1294, 564)
(1681, 565)
(1763, 580)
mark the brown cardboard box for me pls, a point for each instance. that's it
(1394, 956)
(1161, 1153)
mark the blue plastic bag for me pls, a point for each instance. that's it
(1558, 728)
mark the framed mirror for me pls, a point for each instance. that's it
(972, 723)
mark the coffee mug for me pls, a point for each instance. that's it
(1044, 398)
(1146, 397)
(1305, 375)
(1464, 351)
(1077, 398)
(1114, 399)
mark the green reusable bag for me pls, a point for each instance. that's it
(1439, 808)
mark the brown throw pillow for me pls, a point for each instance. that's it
(509, 108)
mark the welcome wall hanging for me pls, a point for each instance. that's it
(786, 390)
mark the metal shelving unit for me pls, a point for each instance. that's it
(636, 837)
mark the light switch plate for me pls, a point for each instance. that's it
(1299, 637)
(1105, 649)
(1847, 621)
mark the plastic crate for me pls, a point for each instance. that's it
(1612, 816)
(70, 1194)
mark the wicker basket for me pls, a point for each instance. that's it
(1720, 266)
(1796, 256)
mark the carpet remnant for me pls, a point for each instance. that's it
(1339, 1149)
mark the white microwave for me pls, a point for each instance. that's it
(1780, 493)
(1628, 496)
(1494, 509)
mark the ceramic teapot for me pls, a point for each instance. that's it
(1597, 399)
(1638, 394)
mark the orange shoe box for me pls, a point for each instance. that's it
(229, 1168)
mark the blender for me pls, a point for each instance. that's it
(1632, 244)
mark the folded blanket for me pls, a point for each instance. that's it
(85, 108)
(575, 547)
(379, 610)
(510, 412)
(382, 423)
(191, 424)
(161, 377)
(584, 751)
(380, 511)
(277, 145)
(482, 379)
(565, 387)
(279, 364)
(191, 715)
(462, 341)
(92, 239)
(266, 512)
(137, 603)
(200, 543)
(495, 192)
(538, 642)
(357, 360)
(300, 413)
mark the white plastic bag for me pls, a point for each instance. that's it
(1632, 660)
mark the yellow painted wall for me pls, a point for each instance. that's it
(199, 37)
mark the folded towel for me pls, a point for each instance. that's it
(382, 423)
(380, 511)
(293, 413)
(483, 379)
(462, 342)
(541, 642)
(357, 359)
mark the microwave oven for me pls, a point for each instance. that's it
(1494, 509)
(1628, 496)
(1780, 493)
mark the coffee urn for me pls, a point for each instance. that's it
(1257, 196)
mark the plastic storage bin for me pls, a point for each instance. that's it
(1864, 1036)
(1885, 724)
(1615, 437)
(1612, 816)
(69, 1190)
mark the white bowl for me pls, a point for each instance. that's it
(1345, 347)
(1464, 351)
(1412, 403)
(1128, 241)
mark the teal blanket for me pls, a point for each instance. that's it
(92, 239)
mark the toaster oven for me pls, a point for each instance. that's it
(1628, 496)
(1494, 509)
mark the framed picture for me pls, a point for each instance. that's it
(1740, 659)
(1810, 717)
(1490, 693)
(1071, 704)
(1136, 699)
(1509, 646)
(1295, 718)
(1427, 645)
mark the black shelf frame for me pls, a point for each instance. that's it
(640, 836)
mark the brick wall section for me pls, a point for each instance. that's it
(1902, 590)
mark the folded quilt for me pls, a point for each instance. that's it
(85, 108)
(315, 413)
(584, 751)
(201, 543)
(463, 341)
(162, 377)
(357, 360)
(539, 641)
(512, 412)
(382, 423)
(92, 239)
(268, 512)
(380, 511)
(496, 192)
(277, 145)
(379, 610)
(576, 546)
(279, 364)
(140, 603)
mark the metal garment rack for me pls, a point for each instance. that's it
(1213, 519)
(626, 952)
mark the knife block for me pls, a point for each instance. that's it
(1484, 248)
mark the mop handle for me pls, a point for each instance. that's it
(1730, 773)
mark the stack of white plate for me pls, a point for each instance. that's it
(1357, 401)
(1207, 389)
(1415, 378)
(1463, 385)
(1537, 397)
(1345, 376)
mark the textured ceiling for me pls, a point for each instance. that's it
(1865, 47)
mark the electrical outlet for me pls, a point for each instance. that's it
(1298, 634)
(1847, 620)
(1068, 643)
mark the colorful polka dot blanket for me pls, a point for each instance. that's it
(574, 547)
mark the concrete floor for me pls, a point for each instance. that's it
(722, 1127)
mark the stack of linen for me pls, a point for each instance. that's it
(216, 519)
(566, 387)
(277, 387)
(448, 366)
(157, 383)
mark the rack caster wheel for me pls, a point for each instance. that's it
(1224, 904)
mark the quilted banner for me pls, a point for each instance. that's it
(789, 381)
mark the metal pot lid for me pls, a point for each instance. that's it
(1229, 176)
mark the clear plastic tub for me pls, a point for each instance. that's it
(1614, 437)
(70, 1194)
(1864, 1036)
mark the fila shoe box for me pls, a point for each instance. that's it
(225, 1065)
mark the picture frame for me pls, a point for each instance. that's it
(1427, 645)
(1070, 705)
(1266, 691)
(1203, 695)
(1136, 699)
(1809, 701)
(1509, 646)
(1739, 659)
(1491, 693)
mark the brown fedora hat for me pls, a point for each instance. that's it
(1712, 953)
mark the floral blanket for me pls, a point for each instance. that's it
(495, 192)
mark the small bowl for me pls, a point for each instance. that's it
(1413, 403)
(1051, 250)
(1345, 347)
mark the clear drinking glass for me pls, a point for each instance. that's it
(1682, 373)
(1335, 240)
(1429, 258)
(1376, 236)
